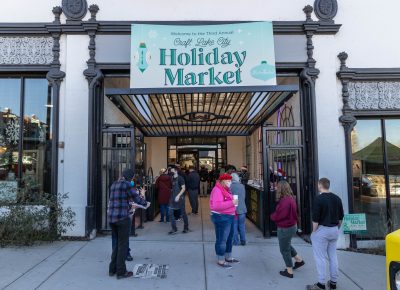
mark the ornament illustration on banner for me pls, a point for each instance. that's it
(142, 57)
(12, 132)
(264, 71)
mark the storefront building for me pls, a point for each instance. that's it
(71, 119)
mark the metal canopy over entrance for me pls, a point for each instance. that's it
(211, 111)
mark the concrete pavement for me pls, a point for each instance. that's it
(84, 265)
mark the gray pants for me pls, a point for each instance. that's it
(285, 236)
(203, 188)
(194, 199)
(324, 241)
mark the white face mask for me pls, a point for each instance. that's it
(228, 184)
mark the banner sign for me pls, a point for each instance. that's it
(240, 54)
(355, 224)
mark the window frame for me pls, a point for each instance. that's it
(22, 77)
(382, 120)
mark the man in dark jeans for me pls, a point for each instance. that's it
(177, 202)
(121, 193)
(327, 217)
(193, 184)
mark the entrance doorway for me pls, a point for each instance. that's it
(198, 158)
(187, 159)
(194, 119)
(210, 152)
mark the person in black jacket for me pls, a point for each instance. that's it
(327, 217)
(193, 185)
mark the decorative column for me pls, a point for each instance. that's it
(308, 78)
(55, 76)
(348, 122)
(94, 77)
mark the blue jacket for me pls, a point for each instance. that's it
(193, 180)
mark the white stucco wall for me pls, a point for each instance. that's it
(330, 135)
(236, 150)
(113, 115)
(156, 153)
(74, 129)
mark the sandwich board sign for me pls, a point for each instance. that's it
(355, 223)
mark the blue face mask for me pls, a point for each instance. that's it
(132, 183)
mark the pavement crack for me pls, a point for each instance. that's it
(348, 277)
(34, 266)
(62, 265)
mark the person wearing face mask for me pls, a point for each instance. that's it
(223, 209)
(177, 202)
(122, 192)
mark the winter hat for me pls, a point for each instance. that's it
(128, 174)
(225, 176)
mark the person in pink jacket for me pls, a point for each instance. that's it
(223, 209)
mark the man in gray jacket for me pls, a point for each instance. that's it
(237, 188)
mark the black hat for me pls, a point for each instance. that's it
(128, 174)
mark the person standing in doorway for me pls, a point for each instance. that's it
(223, 207)
(193, 184)
(239, 226)
(204, 178)
(230, 169)
(163, 187)
(285, 217)
(177, 202)
(327, 217)
(122, 192)
(244, 174)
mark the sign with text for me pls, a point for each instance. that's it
(240, 54)
(355, 224)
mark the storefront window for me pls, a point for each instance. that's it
(393, 156)
(27, 166)
(10, 92)
(370, 179)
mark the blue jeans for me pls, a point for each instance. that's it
(114, 239)
(239, 229)
(224, 235)
(164, 212)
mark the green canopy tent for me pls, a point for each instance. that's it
(372, 157)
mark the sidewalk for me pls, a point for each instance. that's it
(84, 265)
